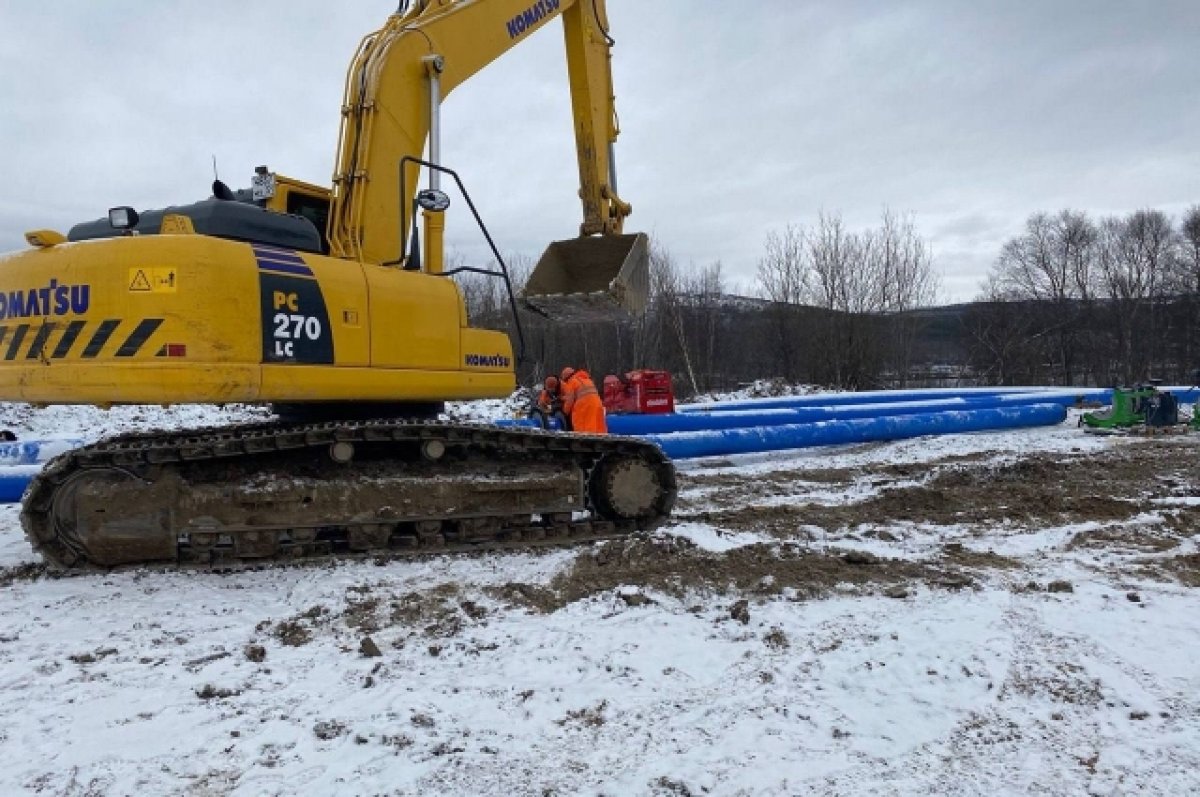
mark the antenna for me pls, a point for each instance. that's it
(219, 189)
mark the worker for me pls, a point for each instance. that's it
(547, 409)
(581, 402)
(549, 395)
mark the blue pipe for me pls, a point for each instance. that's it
(14, 480)
(29, 452)
(862, 397)
(736, 415)
(1066, 396)
(1184, 395)
(685, 445)
(523, 423)
(782, 416)
(638, 425)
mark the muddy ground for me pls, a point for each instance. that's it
(1108, 493)
(812, 547)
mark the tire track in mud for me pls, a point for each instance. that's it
(1117, 489)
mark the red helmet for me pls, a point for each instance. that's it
(566, 374)
(551, 383)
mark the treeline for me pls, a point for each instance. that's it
(832, 310)
(1077, 300)
(1071, 301)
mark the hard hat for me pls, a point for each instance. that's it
(551, 383)
(566, 373)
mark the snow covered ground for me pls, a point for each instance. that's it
(860, 620)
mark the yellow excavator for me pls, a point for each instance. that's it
(325, 304)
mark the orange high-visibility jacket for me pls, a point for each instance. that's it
(582, 404)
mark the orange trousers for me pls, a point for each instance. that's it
(587, 416)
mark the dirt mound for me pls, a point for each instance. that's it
(678, 568)
(1113, 486)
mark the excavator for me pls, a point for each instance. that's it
(335, 307)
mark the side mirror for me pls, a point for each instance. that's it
(433, 200)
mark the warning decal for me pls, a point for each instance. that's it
(138, 281)
(153, 280)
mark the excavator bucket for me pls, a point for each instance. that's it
(591, 279)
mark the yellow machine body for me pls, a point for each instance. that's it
(185, 318)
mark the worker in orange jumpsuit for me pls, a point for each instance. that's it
(581, 402)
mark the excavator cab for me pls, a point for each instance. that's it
(594, 278)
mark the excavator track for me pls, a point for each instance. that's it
(247, 495)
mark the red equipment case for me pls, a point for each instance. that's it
(639, 392)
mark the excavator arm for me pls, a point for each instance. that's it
(394, 88)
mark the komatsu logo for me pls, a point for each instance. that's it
(54, 299)
(530, 17)
(488, 361)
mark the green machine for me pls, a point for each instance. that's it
(1141, 405)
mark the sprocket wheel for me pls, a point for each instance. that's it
(629, 488)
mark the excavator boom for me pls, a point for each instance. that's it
(394, 89)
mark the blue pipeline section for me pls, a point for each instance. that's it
(29, 452)
(685, 445)
(14, 480)
(21, 460)
(525, 423)
(1184, 395)
(862, 397)
(781, 416)
(1067, 396)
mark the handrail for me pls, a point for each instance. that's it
(503, 273)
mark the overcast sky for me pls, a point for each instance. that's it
(737, 118)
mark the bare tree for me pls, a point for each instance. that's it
(846, 283)
(1183, 277)
(1185, 286)
(486, 296)
(855, 288)
(1136, 255)
(906, 282)
(1002, 346)
(1189, 254)
(703, 293)
(669, 300)
(1051, 263)
(782, 270)
(783, 278)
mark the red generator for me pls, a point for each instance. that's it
(639, 393)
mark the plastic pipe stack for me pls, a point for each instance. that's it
(684, 445)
